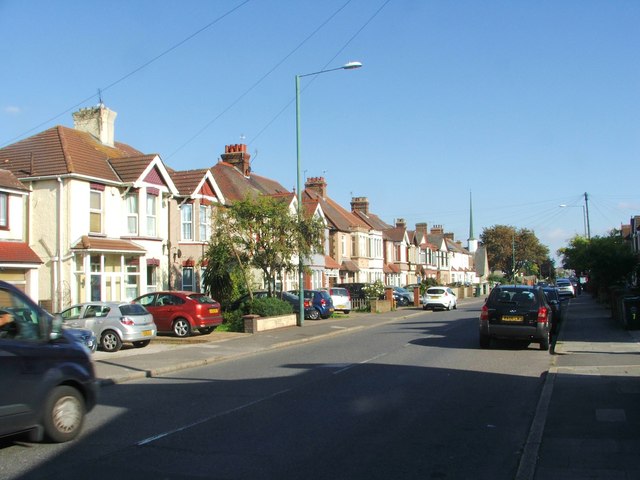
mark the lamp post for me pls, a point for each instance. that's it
(347, 66)
(584, 216)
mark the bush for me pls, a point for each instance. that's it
(231, 322)
(268, 307)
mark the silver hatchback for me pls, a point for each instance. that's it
(113, 323)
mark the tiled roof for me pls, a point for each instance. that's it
(349, 266)
(395, 234)
(186, 181)
(9, 180)
(339, 218)
(235, 186)
(17, 252)
(129, 169)
(330, 263)
(372, 220)
(99, 244)
(62, 150)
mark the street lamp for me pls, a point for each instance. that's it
(346, 66)
(584, 215)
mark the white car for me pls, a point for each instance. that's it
(341, 299)
(565, 288)
(439, 297)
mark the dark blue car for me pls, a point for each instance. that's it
(47, 379)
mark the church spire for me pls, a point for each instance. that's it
(472, 243)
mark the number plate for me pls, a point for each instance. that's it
(213, 310)
(512, 318)
(146, 333)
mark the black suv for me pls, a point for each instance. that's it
(518, 312)
(47, 379)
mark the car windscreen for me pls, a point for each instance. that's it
(339, 292)
(435, 291)
(132, 309)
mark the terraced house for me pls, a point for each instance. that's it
(84, 217)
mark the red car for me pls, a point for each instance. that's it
(181, 313)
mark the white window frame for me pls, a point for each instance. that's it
(151, 211)
(4, 211)
(205, 223)
(132, 213)
(93, 211)
(186, 221)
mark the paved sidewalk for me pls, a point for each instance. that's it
(591, 426)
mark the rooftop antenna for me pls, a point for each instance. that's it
(99, 96)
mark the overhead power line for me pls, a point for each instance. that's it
(131, 73)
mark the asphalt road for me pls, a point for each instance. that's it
(410, 399)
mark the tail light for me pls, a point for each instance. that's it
(127, 321)
(323, 302)
(307, 303)
(484, 313)
(543, 315)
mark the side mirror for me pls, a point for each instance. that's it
(55, 325)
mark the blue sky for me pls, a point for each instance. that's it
(525, 104)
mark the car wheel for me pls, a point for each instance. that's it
(455, 306)
(544, 343)
(110, 341)
(346, 312)
(485, 341)
(181, 327)
(206, 330)
(314, 314)
(448, 307)
(63, 414)
(141, 343)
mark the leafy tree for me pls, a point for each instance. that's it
(512, 251)
(606, 260)
(258, 232)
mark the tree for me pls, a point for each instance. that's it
(608, 261)
(259, 232)
(512, 251)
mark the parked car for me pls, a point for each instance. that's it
(402, 296)
(341, 299)
(558, 307)
(47, 376)
(577, 286)
(565, 287)
(355, 289)
(113, 323)
(86, 337)
(181, 312)
(317, 304)
(518, 312)
(439, 297)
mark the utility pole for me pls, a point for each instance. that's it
(586, 210)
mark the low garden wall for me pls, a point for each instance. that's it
(255, 323)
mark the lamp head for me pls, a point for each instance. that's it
(351, 65)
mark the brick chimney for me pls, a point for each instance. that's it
(401, 223)
(99, 121)
(437, 230)
(449, 236)
(360, 204)
(422, 228)
(237, 156)
(317, 185)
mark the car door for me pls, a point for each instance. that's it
(72, 317)
(154, 303)
(21, 364)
